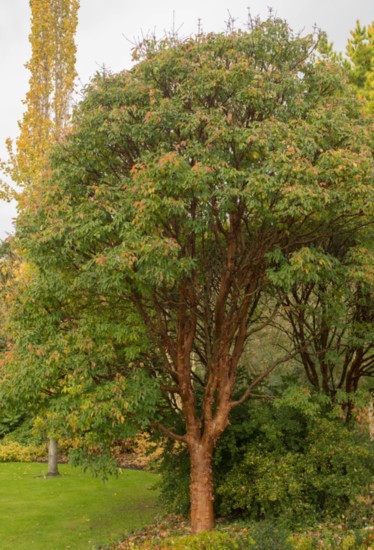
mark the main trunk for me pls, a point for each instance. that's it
(52, 457)
(201, 488)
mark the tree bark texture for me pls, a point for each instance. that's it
(201, 488)
(52, 458)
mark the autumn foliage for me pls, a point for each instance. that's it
(215, 170)
(52, 76)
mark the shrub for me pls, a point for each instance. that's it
(174, 467)
(270, 535)
(328, 539)
(9, 422)
(263, 485)
(140, 451)
(290, 458)
(24, 434)
(320, 480)
(215, 540)
(11, 451)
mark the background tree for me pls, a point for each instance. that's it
(185, 179)
(12, 270)
(328, 314)
(48, 105)
(51, 84)
(360, 50)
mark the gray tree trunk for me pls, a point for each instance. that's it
(52, 458)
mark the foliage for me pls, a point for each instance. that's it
(290, 459)
(44, 122)
(11, 451)
(327, 293)
(172, 532)
(270, 535)
(24, 433)
(303, 466)
(151, 238)
(8, 423)
(209, 540)
(140, 451)
(360, 50)
(327, 311)
(264, 535)
(174, 483)
(48, 100)
(330, 538)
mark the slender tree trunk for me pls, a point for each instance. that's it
(52, 458)
(201, 487)
(371, 420)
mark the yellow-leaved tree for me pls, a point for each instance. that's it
(51, 85)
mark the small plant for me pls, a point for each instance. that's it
(328, 539)
(207, 540)
(11, 451)
(270, 535)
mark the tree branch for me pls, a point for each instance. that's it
(169, 433)
(261, 377)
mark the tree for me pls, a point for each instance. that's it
(181, 183)
(360, 50)
(328, 315)
(48, 103)
(328, 312)
(51, 84)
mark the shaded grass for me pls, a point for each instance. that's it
(74, 511)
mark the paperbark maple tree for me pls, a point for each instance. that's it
(183, 181)
(329, 309)
(329, 315)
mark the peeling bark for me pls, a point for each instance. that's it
(201, 488)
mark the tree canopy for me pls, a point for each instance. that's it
(360, 50)
(51, 84)
(184, 187)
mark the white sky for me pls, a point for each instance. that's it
(106, 26)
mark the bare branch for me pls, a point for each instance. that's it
(261, 377)
(169, 433)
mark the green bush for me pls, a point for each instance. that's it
(215, 540)
(328, 539)
(319, 482)
(24, 434)
(174, 468)
(291, 458)
(9, 422)
(263, 484)
(263, 535)
(11, 451)
(270, 535)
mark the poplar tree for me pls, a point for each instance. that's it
(51, 85)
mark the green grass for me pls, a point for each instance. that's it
(74, 511)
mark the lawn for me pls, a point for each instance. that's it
(74, 511)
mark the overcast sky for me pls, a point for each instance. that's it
(107, 27)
